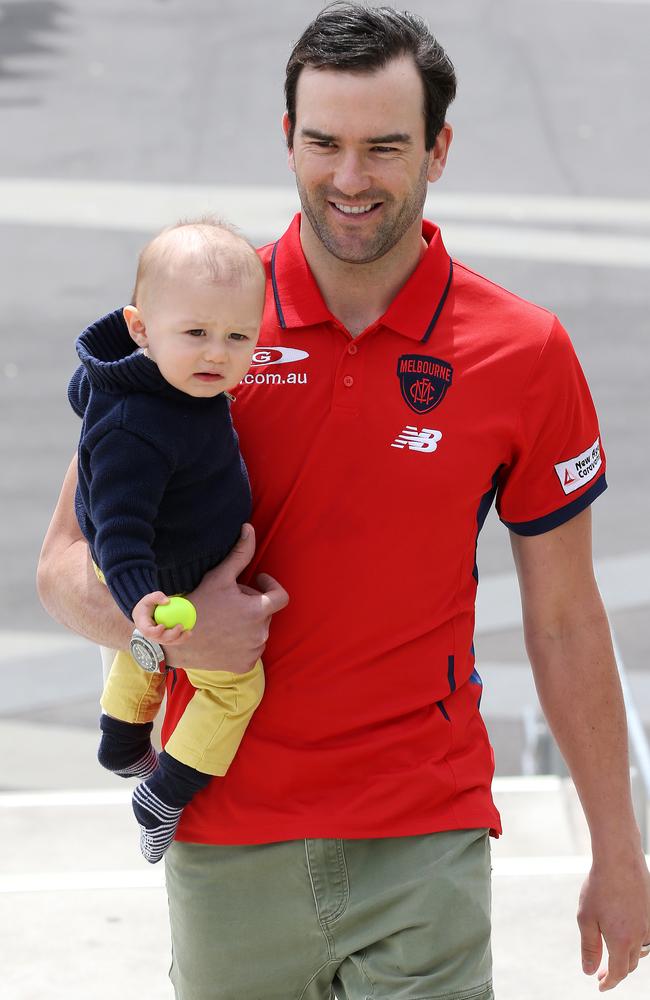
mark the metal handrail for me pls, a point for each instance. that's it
(638, 744)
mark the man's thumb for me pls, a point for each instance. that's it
(592, 949)
(241, 553)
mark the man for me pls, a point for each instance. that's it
(396, 395)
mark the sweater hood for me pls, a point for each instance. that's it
(114, 363)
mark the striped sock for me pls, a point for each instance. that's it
(125, 748)
(159, 801)
(142, 768)
(157, 822)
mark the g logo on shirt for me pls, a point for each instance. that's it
(276, 356)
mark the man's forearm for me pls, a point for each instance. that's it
(72, 595)
(580, 693)
(67, 585)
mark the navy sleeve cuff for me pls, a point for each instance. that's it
(130, 586)
(557, 517)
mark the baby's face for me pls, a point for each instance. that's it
(200, 334)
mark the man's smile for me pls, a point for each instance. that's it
(355, 211)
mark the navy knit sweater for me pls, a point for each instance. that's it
(163, 490)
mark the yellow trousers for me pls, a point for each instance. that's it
(212, 726)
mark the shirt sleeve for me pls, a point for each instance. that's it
(128, 479)
(558, 463)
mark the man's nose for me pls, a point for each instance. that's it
(351, 175)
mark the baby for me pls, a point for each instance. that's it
(162, 495)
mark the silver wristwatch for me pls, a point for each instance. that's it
(147, 654)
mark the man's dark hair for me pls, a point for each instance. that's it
(350, 36)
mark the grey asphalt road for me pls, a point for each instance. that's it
(552, 102)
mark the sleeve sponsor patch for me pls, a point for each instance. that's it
(579, 470)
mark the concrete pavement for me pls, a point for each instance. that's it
(83, 917)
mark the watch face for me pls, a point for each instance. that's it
(143, 655)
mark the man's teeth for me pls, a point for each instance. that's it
(354, 209)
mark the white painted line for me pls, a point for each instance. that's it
(512, 867)
(148, 878)
(527, 867)
(547, 209)
(539, 784)
(122, 796)
(56, 799)
(640, 3)
(548, 245)
(139, 205)
(544, 866)
(19, 645)
(624, 582)
(263, 213)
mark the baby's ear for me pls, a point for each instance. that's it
(136, 327)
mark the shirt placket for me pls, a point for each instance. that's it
(348, 387)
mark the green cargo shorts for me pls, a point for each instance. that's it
(400, 918)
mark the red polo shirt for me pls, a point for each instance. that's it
(373, 463)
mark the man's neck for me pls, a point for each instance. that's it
(358, 294)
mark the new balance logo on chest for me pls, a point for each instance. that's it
(425, 440)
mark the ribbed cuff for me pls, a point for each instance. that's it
(131, 586)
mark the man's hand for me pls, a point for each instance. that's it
(233, 620)
(615, 906)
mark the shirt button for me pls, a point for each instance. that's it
(352, 349)
(348, 381)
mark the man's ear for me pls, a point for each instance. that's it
(136, 327)
(285, 129)
(438, 155)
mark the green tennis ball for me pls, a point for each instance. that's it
(179, 611)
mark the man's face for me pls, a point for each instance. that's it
(361, 166)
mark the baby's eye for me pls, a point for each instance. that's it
(196, 333)
(238, 336)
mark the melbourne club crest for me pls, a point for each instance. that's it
(423, 380)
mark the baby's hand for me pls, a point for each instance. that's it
(144, 621)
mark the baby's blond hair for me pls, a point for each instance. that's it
(218, 249)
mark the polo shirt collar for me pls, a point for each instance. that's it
(412, 313)
(298, 301)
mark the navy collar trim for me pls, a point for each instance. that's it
(276, 293)
(298, 301)
(443, 299)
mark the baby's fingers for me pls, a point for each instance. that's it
(174, 636)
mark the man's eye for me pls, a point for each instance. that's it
(196, 333)
(238, 336)
(385, 149)
(323, 144)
